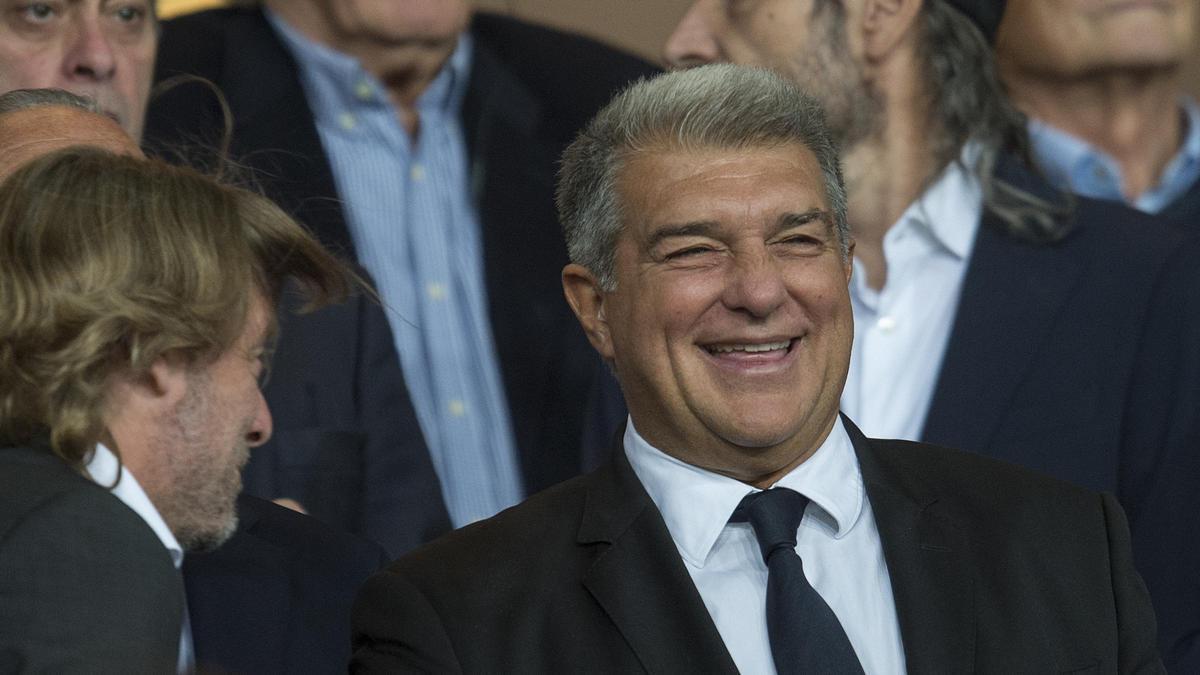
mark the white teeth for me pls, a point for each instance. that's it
(752, 349)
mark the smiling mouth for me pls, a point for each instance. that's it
(774, 348)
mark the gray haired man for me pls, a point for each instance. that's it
(742, 524)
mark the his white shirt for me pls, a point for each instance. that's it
(838, 541)
(105, 470)
(901, 330)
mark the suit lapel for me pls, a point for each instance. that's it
(1012, 293)
(301, 180)
(926, 558)
(640, 582)
(512, 182)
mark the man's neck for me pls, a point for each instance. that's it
(885, 173)
(404, 68)
(1132, 116)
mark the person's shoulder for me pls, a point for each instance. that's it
(211, 21)
(539, 531)
(196, 43)
(34, 481)
(308, 540)
(558, 64)
(992, 494)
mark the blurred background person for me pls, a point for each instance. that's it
(1103, 85)
(993, 311)
(422, 141)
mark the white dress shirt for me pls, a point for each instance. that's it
(105, 470)
(837, 540)
(901, 331)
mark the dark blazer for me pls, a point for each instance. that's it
(994, 569)
(276, 597)
(1184, 212)
(1040, 369)
(85, 585)
(530, 89)
(1166, 385)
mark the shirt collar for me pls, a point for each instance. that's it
(109, 473)
(1071, 163)
(696, 504)
(337, 83)
(948, 211)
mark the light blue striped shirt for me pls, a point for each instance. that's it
(1072, 164)
(408, 206)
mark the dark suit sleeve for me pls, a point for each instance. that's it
(86, 587)
(1137, 651)
(397, 630)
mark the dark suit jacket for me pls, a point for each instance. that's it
(994, 569)
(85, 585)
(276, 597)
(1040, 370)
(530, 90)
(1166, 385)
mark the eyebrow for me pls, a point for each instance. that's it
(708, 228)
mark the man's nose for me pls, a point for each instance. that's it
(692, 43)
(261, 427)
(90, 57)
(756, 285)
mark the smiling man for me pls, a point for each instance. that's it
(742, 524)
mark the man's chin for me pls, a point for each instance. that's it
(203, 540)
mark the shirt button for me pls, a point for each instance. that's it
(347, 121)
(363, 91)
(456, 407)
(886, 324)
(435, 291)
(417, 172)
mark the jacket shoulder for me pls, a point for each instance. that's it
(559, 66)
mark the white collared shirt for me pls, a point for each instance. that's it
(104, 470)
(837, 540)
(901, 331)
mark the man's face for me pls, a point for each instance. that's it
(1073, 38)
(28, 134)
(804, 42)
(99, 48)
(221, 417)
(394, 21)
(730, 327)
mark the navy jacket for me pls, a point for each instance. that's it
(1042, 370)
(276, 597)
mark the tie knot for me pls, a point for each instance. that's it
(775, 515)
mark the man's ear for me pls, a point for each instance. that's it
(586, 299)
(887, 24)
(162, 386)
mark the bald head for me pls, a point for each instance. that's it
(30, 133)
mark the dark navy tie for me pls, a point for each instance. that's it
(806, 636)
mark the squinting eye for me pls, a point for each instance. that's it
(688, 252)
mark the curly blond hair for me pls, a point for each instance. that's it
(108, 263)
